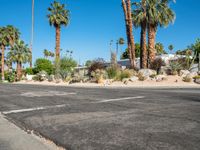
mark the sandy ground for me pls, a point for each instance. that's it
(172, 81)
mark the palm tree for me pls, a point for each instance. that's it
(171, 47)
(121, 42)
(46, 53)
(140, 20)
(158, 14)
(13, 34)
(126, 4)
(20, 53)
(58, 16)
(3, 43)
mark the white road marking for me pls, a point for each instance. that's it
(120, 99)
(32, 109)
(46, 93)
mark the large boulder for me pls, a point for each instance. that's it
(184, 73)
(147, 72)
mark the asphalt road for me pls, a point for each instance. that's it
(106, 119)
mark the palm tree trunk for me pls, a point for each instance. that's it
(143, 45)
(18, 70)
(129, 30)
(143, 42)
(57, 42)
(2, 63)
(151, 42)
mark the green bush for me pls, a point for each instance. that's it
(112, 72)
(196, 77)
(175, 67)
(42, 64)
(124, 74)
(29, 71)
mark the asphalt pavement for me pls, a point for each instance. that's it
(106, 118)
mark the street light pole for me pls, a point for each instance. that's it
(32, 34)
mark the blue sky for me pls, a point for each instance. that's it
(93, 24)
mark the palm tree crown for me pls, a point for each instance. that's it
(58, 15)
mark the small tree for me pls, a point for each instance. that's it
(42, 64)
(171, 47)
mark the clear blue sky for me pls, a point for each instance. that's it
(93, 24)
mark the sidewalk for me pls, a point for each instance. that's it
(13, 138)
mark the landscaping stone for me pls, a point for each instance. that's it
(29, 77)
(184, 73)
(197, 81)
(147, 72)
(133, 79)
(160, 78)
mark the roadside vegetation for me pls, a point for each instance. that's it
(146, 15)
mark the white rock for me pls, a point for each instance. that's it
(184, 73)
(147, 72)
(133, 79)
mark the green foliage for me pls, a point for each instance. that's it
(196, 77)
(42, 64)
(67, 64)
(29, 71)
(171, 47)
(174, 67)
(112, 72)
(58, 14)
(124, 74)
(88, 63)
(125, 55)
(196, 48)
(160, 49)
(10, 76)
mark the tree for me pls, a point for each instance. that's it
(67, 64)
(19, 53)
(46, 53)
(125, 55)
(126, 4)
(171, 47)
(121, 42)
(88, 63)
(3, 43)
(158, 14)
(160, 48)
(42, 64)
(195, 48)
(58, 16)
(140, 20)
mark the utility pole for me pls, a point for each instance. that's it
(32, 34)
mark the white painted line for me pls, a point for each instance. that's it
(32, 109)
(120, 99)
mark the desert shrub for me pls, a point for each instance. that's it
(10, 76)
(174, 67)
(42, 64)
(41, 76)
(141, 77)
(157, 64)
(187, 79)
(97, 64)
(196, 77)
(98, 75)
(29, 71)
(67, 64)
(153, 76)
(112, 72)
(124, 74)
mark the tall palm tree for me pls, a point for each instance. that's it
(140, 20)
(158, 14)
(20, 53)
(3, 43)
(58, 16)
(13, 34)
(126, 4)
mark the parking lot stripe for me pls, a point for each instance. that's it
(33, 109)
(120, 99)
